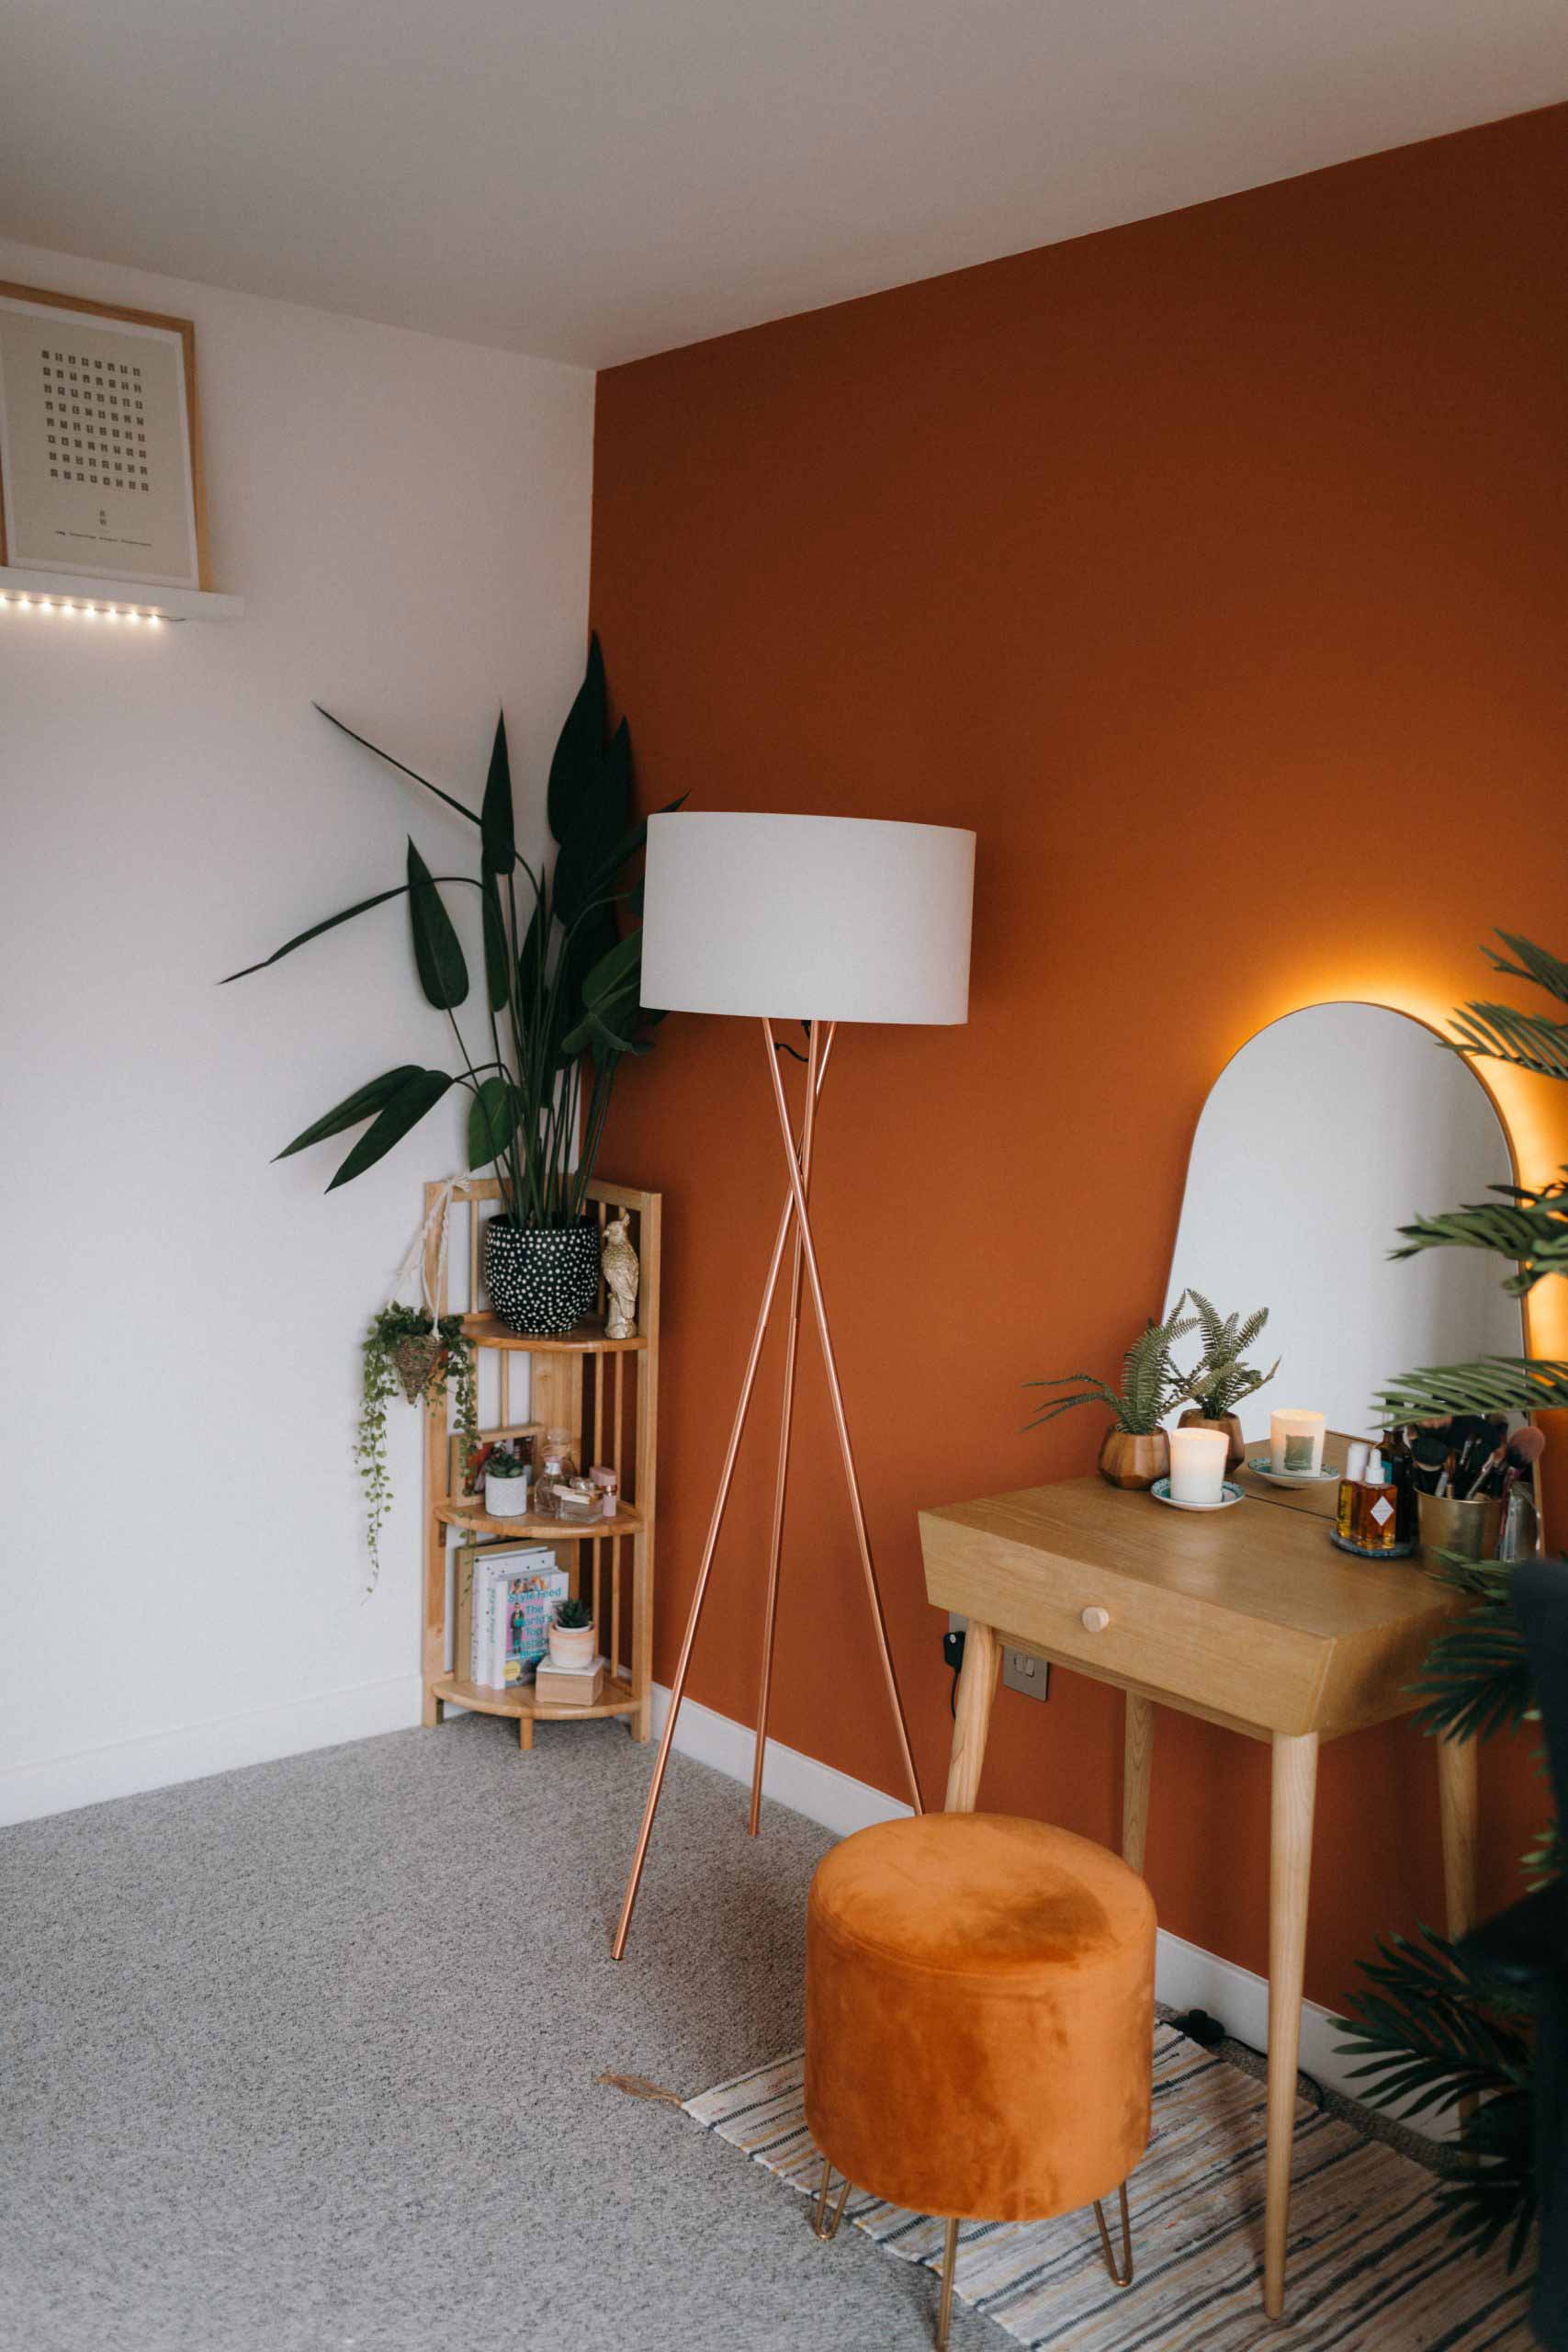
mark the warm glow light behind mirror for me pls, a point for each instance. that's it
(1328, 1131)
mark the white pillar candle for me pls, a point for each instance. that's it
(1198, 1465)
(1295, 1442)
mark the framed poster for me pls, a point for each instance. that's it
(100, 453)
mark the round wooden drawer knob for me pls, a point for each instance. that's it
(1095, 1621)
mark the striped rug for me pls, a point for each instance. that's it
(1369, 2267)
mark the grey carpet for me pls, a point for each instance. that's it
(301, 2059)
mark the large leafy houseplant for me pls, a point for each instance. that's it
(562, 985)
(1434, 2026)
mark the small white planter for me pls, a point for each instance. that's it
(506, 1498)
(575, 1646)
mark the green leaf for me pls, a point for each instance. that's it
(594, 825)
(1534, 964)
(314, 932)
(500, 841)
(1502, 1033)
(420, 1092)
(617, 972)
(1493, 1385)
(410, 773)
(498, 956)
(579, 747)
(361, 1104)
(443, 974)
(492, 1121)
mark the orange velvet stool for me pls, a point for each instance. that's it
(980, 2020)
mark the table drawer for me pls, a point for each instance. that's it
(1220, 1659)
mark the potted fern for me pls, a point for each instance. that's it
(562, 1010)
(1222, 1380)
(1136, 1451)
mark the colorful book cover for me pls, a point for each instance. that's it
(529, 1604)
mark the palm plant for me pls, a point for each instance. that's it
(1432, 2026)
(1152, 1383)
(1222, 1380)
(562, 985)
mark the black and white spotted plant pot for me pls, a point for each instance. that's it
(541, 1279)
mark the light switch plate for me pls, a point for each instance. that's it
(1022, 1671)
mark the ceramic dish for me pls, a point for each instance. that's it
(1259, 1466)
(1389, 1551)
(1162, 1494)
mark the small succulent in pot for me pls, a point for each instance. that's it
(573, 1635)
(506, 1484)
(1223, 1380)
(1135, 1451)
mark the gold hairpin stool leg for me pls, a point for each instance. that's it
(949, 2268)
(826, 2231)
(1123, 2278)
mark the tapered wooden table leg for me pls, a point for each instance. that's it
(1290, 1873)
(976, 1689)
(1459, 1802)
(1138, 1756)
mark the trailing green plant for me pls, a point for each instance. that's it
(1222, 1380)
(1431, 2023)
(561, 986)
(573, 1616)
(1152, 1382)
(404, 1352)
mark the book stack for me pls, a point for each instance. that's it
(569, 1686)
(506, 1601)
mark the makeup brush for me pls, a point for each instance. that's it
(1525, 1449)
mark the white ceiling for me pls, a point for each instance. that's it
(596, 179)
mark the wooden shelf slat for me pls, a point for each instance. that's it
(549, 1530)
(616, 1699)
(587, 1340)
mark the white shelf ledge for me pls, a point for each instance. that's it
(77, 592)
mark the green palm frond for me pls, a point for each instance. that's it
(1533, 963)
(1529, 1226)
(1492, 1384)
(1501, 1033)
(1476, 1679)
(1433, 2028)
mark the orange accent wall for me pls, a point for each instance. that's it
(1215, 571)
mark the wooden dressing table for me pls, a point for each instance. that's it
(1246, 1617)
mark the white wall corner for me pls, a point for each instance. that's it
(194, 1751)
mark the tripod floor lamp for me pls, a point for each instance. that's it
(820, 920)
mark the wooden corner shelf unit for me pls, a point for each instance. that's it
(606, 1392)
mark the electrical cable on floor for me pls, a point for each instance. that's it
(953, 1656)
(1209, 2033)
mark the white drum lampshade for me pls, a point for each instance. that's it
(808, 918)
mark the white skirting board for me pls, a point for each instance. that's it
(1185, 1975)
(125, 1768)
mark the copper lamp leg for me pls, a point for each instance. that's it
(786, 1417)
(803, 1230)
(678, 1687)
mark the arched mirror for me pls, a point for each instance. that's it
(1328, 1131)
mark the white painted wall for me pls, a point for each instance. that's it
(408, 519)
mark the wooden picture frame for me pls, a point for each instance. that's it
(83, 528)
